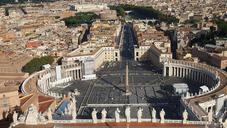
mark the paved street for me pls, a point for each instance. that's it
(127, 47)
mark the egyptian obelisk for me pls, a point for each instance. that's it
(127, 89)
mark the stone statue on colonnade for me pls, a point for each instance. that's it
(117, 115)
(185, 116)
(128, 114)
(49, 114)
(139, 114)
(94, 115)
(162, 116)
(15, 115)
(153, 115)
(104, 112)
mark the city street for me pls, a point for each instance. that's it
(127, 45)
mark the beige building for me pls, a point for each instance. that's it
(102, 45)
(152, 44)
(98, 55)
(215, 59)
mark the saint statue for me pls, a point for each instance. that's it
(15, 115)
(128, 114)
(139, 114)
(74, 114)
(49, 114)
(104, 112)
(94, 115)
(210, 115)
(117, 115)
(185, 116)
(162, 116)
(73, 108)
(153, 115)
(66, 112)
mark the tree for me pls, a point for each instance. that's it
(80, 18)
(37, 63)
(142, 12)
(222, 28)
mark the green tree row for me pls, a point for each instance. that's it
(142, 12)
(36, 64)
(203, 39)
(80, 18)
(209, 36)
(222, 28)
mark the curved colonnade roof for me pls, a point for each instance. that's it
(222, 89)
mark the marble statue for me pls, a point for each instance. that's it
(32, 115)
(21, 118)
(41, 118)
(187, 94)
(74, 103)
(66, 112)
(185, 116)
(128, 114)
(210, 115)
(74, 114)
(74, 100)
(117, 115)
(153, 115)
(139, 114)
(94, 115)
(162, 116)
(68, 107)
(76, 92)
(49, 114)
(69, 94)
(104, 112)
(15, 115)
(73, 108)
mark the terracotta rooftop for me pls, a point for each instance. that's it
(43, 102)
(24, 99)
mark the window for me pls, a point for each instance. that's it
(115, 53)
(137, 53)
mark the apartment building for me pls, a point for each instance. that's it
(101, 46)
(151, 45)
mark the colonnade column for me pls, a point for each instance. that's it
(77, 74)
(179, 72)
(80, 73)
(174, 71)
